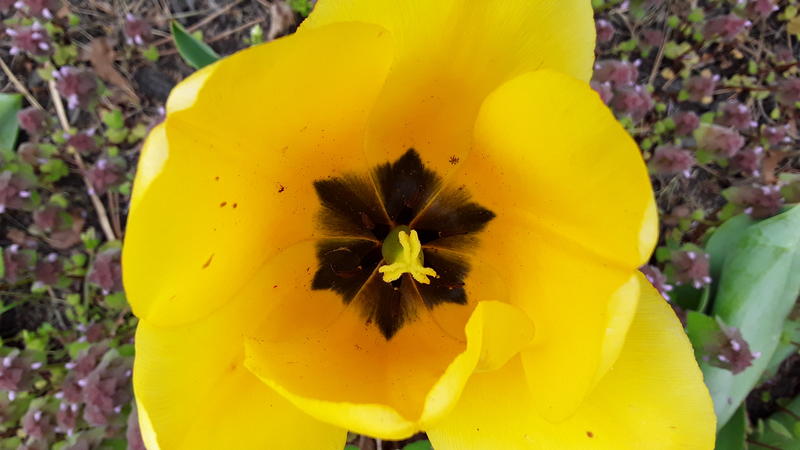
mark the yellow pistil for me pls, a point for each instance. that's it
(405, 258)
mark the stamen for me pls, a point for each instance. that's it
(408, 258)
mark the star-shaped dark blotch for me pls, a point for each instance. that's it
(357, 213)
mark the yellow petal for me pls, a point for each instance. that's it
(332, 364)
(653, 398)
(235, 161)
(575, 217)
(450, 54)
(193, 391)
(559, 160)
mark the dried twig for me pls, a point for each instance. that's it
(102, 214)
(18, 85)
(659, 58)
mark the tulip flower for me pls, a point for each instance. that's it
(408, 216)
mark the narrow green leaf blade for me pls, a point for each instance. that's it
(195, 52)
(759, 283)
(9, 127)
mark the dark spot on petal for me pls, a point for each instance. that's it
(281, 188)
(454, 160)
(222, 205)
(208, 263)
(235, 205)
(590, 434)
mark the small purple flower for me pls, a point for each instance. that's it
(725, 27)
(106, 271)
(722, 141)
(692, 268)
(38, 424)
(670, 160)
(729, 350)
(657, 279)
(748, 161)
(32, 39)
(653, 37)
(15, 191)
(17, 264)
(633, 101)
(685, 123)
(699, 87)
(95, 332)
(605, 31)
(48, 217)
(38, 8)
(106, 172)
(136, 30)
(32, 120)
(604, 89)
(776, 135)
(761, 9)
(787, 91)
(48, 269)
(84, 142)
(67, 417)
(618, 73)
(736, 115)
(15, 372)
(106, 390)
(759, 201)
(78, 86)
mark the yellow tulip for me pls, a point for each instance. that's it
(409, 215)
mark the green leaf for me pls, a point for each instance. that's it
(701, 329)
(419, 445)
(9, 127)
(350, 447)
(302, 7)
(116, 301)
(779, 428)
(151, 53)
(724, 239)
(194, 51)
(54, 170)
(732, 435)
(759, 282)
(113, 119)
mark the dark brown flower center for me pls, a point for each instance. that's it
(358, 212)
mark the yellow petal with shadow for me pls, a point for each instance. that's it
(328, 361)
(235, 160)
(450, 54)
(575, 218)
(652, 398)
